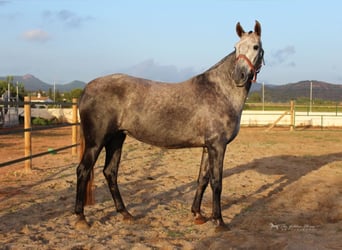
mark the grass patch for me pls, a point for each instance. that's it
(174, 234)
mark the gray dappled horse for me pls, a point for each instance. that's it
(204, 111)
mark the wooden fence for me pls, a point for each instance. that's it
(28, 129)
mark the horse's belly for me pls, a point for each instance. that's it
(167, 138)
(168, 142)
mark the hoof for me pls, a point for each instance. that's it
(127, 217)
(200, 219)
(222, 228)
(82, 224)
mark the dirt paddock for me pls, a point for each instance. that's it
(281, 190)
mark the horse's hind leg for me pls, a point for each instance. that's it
(83, 174)
(202, 183)
(113, 155)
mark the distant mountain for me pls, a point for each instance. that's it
(284, 93)
(70, 86)
(273, 93)
(31, 83)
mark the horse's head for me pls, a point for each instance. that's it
(249, 55)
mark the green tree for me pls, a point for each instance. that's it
(9, 79)
(254, 97)
(76, 93)
(13, 88)
(3, 86)
(59, 96)
(50, 94)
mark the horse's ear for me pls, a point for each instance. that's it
(257, 28)
(239, 29)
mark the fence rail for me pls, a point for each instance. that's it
(28, 129)
(292, 115)
(254, 114)
(335, 108)
(7, 163)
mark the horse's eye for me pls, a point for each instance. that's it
(256, 47)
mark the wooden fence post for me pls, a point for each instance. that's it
(74, 127)
(27, 133)
(292, 115)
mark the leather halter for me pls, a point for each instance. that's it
(251, 66)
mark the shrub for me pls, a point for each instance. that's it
(40, 121)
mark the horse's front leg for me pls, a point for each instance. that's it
(202, 183)
(216, 156)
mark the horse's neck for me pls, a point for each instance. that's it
(226, 62)
(220, 75)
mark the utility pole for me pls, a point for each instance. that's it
(310, 96)
(17, 97)
(8, 103)
(263, 96)
(54, 92)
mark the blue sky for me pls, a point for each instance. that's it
(69, 40)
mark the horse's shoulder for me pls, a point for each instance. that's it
(202, 82)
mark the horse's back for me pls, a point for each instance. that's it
(154, 112)
(120, 90)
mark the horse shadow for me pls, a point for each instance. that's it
(290, 168)
(183, 193)
(57, 203)
(279, 165)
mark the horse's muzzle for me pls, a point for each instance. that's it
(242, 74)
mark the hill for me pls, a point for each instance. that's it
(32, 83)
(70, 86)
(273, 93)
(284, 93)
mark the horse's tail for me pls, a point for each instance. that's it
(82, 143)
(89, 198)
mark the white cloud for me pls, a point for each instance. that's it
(151, 70)
(282, 56)
(36, 35)
(67, 17)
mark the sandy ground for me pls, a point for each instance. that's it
(281, 190)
